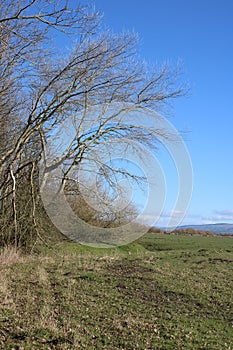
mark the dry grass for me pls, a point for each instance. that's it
(10, 255)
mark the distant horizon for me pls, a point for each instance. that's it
(218, 228)
(207, 224)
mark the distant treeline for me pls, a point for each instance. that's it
(186, 231)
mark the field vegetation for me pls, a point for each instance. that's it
(161, 292)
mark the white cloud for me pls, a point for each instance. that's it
(220, 216)
(217, 216)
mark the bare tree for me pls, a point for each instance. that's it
(99, 212)
(41, 88)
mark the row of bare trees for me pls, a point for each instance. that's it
(57, 65)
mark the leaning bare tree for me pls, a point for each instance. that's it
(43, 84)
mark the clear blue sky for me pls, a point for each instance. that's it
(200, 33)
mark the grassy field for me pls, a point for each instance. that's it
(161, 292)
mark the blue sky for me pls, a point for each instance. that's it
(199, 33)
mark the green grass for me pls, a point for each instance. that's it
(161, 292)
